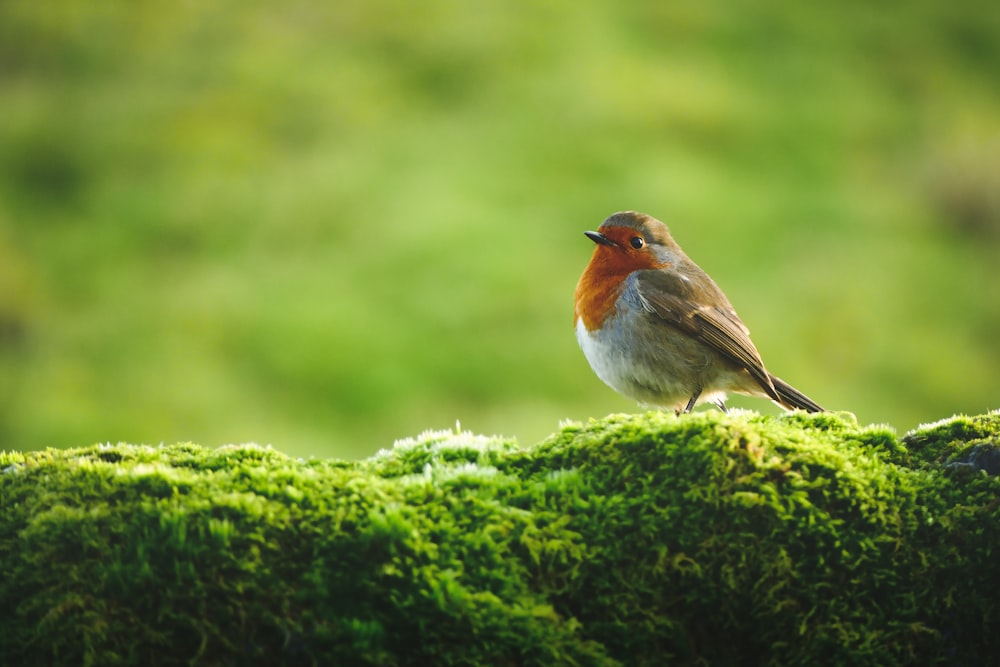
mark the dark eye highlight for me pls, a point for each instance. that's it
(637, 242)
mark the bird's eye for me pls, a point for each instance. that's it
(637, 242)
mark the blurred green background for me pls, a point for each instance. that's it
(325, 226)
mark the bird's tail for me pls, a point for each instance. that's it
(791, 398)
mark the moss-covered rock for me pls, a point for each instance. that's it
(634, 540)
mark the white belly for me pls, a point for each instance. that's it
(607, 352)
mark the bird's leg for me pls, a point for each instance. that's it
(692, 401)
(721, 404)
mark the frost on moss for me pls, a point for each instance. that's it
(634, 540)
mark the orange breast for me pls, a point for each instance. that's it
(602, 282)
(596, 294)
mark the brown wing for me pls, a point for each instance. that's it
(672, 298)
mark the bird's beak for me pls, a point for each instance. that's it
(601, 239)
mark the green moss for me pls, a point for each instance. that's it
(632, 540)
(953, 440)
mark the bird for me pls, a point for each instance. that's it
(657, 329)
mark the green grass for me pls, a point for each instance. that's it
(716, 539)
(329, 227)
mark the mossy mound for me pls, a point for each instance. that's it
(634, 540)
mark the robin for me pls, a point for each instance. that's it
(657, 329)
